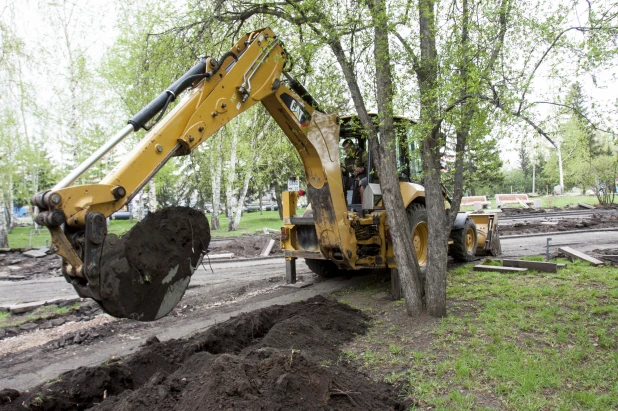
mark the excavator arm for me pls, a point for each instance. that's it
(95, 262)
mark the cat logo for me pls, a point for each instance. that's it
(302, 116)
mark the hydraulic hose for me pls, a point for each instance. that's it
(162, 100)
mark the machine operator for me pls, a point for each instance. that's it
(354, 167)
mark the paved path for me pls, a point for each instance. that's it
(226, 274)
(583, 241)
(231, 274)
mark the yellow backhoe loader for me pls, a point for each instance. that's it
(335, 235)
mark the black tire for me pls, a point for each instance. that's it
(324, 268)
(417, 217)
(465, 241)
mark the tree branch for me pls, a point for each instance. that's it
(551, 46)
(408, 49)
(576, 111)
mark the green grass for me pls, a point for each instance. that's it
(521, 342)
(249, 223)
(46, 311)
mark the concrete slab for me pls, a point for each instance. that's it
(225, 256)
(24, 308)
(533, 265)
(34, 254)
(498, 268)
(298, 284)
(268, 247)
(578, 254)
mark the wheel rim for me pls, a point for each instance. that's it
(470, 236)
(420, 240)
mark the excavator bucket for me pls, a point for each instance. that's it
(144, 274)
(487, 234)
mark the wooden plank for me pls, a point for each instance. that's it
(219, 256)
(586, 205)
(499, 268)
(522, 203)
(578, 254)
(533, 265)
(268, 248)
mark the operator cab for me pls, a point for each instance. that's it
(409, 165)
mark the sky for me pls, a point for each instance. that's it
(91, 28)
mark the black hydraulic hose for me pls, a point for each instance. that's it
(220, 63)
(302, 92)
(162, 100)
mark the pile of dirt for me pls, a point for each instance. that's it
(277, 358)
(15, 266)
(246, 246)
(593, 221)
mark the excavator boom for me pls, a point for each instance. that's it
(107, 268)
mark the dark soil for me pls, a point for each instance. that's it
(277, 358)
(158, 255)
(567, 224)
(19, 267)
(245, 246)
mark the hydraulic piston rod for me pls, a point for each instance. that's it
(94, 157)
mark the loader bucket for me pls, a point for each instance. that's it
(145, 273)
(487, 234)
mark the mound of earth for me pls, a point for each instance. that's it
(247, 246)
(15, 266)
(567, 224)
(277, 358)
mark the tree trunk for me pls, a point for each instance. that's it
(427, 74)
(216, 186)
(560, 167)
(241, 200)
(231, 177)
(4, 238)
(384, 152)
(11, 222)
(152, 196)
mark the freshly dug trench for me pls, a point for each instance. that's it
(278, 358)
(146, 272)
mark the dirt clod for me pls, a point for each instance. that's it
(277, 358)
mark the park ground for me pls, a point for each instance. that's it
(525, 341)
(26, 236)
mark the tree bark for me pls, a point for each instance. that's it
(427, 74)
(384, 152)
(216, 185)
(11, 207)
(241, 200)
(230, 173)
(4, 238)
(152, 196)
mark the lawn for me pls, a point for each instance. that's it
(249, 223)
(536, 341)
